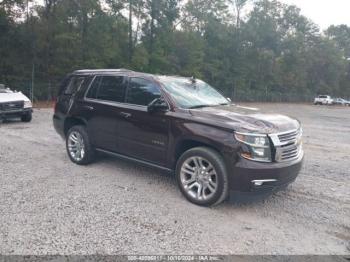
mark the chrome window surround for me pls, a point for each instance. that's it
(114, 103)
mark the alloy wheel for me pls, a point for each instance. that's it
(199, 178)
(76, 146)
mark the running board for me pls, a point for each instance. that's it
(142, 162)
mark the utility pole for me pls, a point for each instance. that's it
(32, 83)
(33, 53)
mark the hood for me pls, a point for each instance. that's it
(245, 119)
(11, 97)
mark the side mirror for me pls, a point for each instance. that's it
(157, 104)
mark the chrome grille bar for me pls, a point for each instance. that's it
(288, 145)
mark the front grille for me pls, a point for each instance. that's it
(288, 137)
(288, 145)
(290, 152)
(11, 106)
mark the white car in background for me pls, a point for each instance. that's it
(14, 105)
(323, 100)
(341, 101)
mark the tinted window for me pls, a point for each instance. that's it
(64, 84)
(110, 88)
(142, 92)
(94, 88)
(74, 85)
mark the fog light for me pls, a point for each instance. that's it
(263, 181)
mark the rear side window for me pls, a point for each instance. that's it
(74, 85)
(109, 88)
(142, 92)
(94, 88)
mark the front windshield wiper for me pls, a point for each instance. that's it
(199, 106)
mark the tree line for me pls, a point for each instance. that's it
(250, 50)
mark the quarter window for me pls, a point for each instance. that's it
(74, 85)
(142, 92)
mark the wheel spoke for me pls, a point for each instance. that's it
(210, 168)
(196, 162)
(188, 170)
(189, 181)
(201, 163)
(211, 186)
(72, 147)
(199, 191)
(192, 185)
(73, 138)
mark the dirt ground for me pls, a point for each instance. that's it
(50, 206)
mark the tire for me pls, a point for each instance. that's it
(27, 117)
(189, 181)
(82, 142)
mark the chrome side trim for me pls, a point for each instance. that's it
(263, 181)
(250, 134)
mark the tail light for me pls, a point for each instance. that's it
(55, 104)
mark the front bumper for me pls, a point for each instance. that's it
(253, 180)
(15, 113)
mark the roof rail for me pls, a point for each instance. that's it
(102, 70)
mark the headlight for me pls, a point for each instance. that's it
(27, 104)
(255, 147)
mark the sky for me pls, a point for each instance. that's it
(324, 12)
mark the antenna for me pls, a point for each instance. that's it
(193, 80)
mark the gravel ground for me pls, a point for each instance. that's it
(50, 206)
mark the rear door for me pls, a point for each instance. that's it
(141, 134)
(102, 109)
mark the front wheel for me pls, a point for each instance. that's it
(27, 117)
(202, 177)
(79, 148)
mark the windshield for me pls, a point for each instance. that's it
(190, 93)
(5, 91)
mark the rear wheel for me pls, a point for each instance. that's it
(27, 117)
(202, 177)
(79, 148)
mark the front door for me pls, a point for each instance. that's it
(141, 134)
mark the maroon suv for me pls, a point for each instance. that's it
(182, 125)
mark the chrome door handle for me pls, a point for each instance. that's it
(125, 115)
(91, 108)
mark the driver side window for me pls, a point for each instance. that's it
(141, 92)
